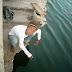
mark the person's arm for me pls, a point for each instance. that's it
(38, 36)
(21, 45)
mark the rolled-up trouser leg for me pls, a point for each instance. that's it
(13, 40)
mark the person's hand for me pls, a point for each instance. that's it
(36, 42)
(25, 42)
(31, 57)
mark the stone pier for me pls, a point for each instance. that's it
(23, 11)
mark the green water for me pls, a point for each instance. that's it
(54, 52)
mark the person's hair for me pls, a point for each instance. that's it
(35, 24)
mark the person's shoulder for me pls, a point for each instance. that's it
(17, 26)
(22, 25)
(39, 30)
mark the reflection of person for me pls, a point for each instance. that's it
(19, 32)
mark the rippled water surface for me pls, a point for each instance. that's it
(54, 52)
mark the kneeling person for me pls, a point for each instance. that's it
(19, 32)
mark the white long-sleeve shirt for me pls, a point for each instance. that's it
(19, 32)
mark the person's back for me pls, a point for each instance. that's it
(18, 30)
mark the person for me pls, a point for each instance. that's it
(19, 33)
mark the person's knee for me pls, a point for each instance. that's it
(13, 40)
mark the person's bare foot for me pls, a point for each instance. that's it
(13, 50)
